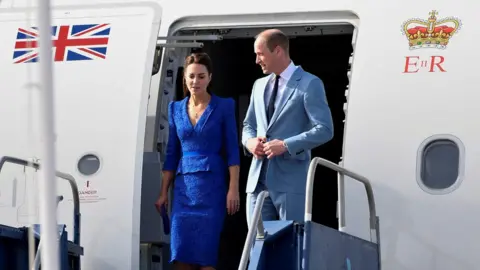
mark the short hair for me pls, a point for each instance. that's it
(274, 38)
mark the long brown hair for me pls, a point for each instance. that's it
(197, 58)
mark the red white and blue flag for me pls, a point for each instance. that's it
(70, 43)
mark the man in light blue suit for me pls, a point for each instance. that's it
(288, 115)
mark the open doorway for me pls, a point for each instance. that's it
(323, 51)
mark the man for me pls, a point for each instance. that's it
(288, 115)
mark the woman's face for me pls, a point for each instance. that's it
(197, 78)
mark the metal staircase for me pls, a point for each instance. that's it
(14, 244)
(270, 245)
(290, 245)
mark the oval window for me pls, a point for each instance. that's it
(88, 164)
(440, 164)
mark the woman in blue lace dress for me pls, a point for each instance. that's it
(202, 152)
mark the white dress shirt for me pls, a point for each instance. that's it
(282, 83)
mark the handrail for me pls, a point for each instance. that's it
(374, 229)
(256, 224)
(73, 185)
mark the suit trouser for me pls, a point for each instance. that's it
(278, 205)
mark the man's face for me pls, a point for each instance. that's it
(264, 57)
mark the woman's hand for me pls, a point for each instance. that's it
(233, 201)
(161, 201)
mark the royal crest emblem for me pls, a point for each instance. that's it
(430, 33)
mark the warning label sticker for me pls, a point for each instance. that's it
(89, 194)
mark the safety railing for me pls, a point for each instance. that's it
(68, 177)
(374, 220)
(256, 225)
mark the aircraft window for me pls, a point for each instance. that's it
(440, 164)
(88, 164)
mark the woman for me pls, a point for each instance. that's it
(202, 144)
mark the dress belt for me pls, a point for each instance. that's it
(199, 153)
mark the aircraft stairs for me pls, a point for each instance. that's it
(289, 245)
(14, 242)
(270, 245)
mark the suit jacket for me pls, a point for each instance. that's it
(302, 120)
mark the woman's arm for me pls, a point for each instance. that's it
(233, 156)
(172, 155)
(167, 177)
(231, 143)
(234, 171)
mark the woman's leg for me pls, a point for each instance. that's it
(207, 268)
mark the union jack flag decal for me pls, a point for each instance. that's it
(70, 43)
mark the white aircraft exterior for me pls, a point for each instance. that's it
(410, 112)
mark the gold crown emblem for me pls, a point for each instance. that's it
(431, 33)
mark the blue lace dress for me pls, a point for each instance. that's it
(200, 155)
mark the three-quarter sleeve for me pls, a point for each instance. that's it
(231, 134)
(173, 144)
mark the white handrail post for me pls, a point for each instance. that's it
(374, 228)
(256, 225)
(341, 201)
(47, 184)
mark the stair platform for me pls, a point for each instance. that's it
(329, 249)
(279, 242)
(311, 246)
(14, 248)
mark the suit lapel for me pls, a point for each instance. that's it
(260, 96)
(190, 128)
(287, 93)
(206, 114)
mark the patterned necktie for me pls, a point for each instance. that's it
(271, 102)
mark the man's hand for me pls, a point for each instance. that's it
(255, 146)
(274, 148)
